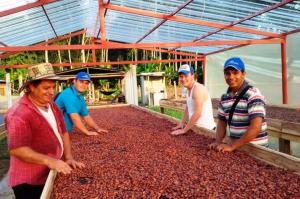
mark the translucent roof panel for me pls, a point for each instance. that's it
(153, 5)
(25, 28)
(172, 31)
(71, 15)
(131, 26)
(283, 19)
(32, 26)
(224, 12)
(204, 49)
(7, 5)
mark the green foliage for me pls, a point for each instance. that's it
(170, 112)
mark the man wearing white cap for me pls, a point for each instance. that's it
(198, 109)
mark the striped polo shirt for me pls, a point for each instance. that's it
(250, 106)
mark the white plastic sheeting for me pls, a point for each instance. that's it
(263, 70)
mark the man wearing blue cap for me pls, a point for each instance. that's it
(198, 110)
(73, 105)
(241, 111)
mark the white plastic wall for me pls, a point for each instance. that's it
(263, 70)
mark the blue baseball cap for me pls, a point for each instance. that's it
(236, 63)
(186, 69)
(83, 76)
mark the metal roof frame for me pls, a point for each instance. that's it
(244, 34)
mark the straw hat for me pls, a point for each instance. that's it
(39, 72)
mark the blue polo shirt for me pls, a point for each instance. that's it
(70, 101)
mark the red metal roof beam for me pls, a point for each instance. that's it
(162, 50)
(104, 16)
(60, 38)
(102, 20)
(25, 7)
(267, 9)
(187, 20)
(109, 45)
(105, 63)
(164, 20)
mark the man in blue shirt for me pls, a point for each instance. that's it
(74, 108)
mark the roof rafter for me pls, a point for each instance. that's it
(187, 20)
(3, 44)
(102, 20)
(162, 50)
(107, 63)
(44, 10)
(109, 45)
(267, 9)
(164, 20)
(59, 38)
(25, 7)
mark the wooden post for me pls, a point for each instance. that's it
(284, 146)
(148, 90)
(69, 52)
(165, 88)
(204, 71)
(20, 80)
(46, 54)
(59, 58)
(196, 62)
(82, 51)
(175, 89)
(8, 90)
(93, 93)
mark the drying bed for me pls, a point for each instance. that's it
(138, 158)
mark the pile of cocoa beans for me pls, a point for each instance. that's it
(138, 158)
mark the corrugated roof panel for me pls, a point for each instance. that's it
(177, 31)
(131, 25)
(204, 49)
(7, 5)
(283, 19)
(69, 15)
(153, 5)
(21, 27)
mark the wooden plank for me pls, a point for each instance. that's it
(172, 105)
(46, 194)
(286, 136)
(291, 128)
(274, 124)
(273, 157)
(262, 153)
(278, 128)
(107, 106)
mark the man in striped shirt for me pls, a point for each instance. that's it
(248, 119)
